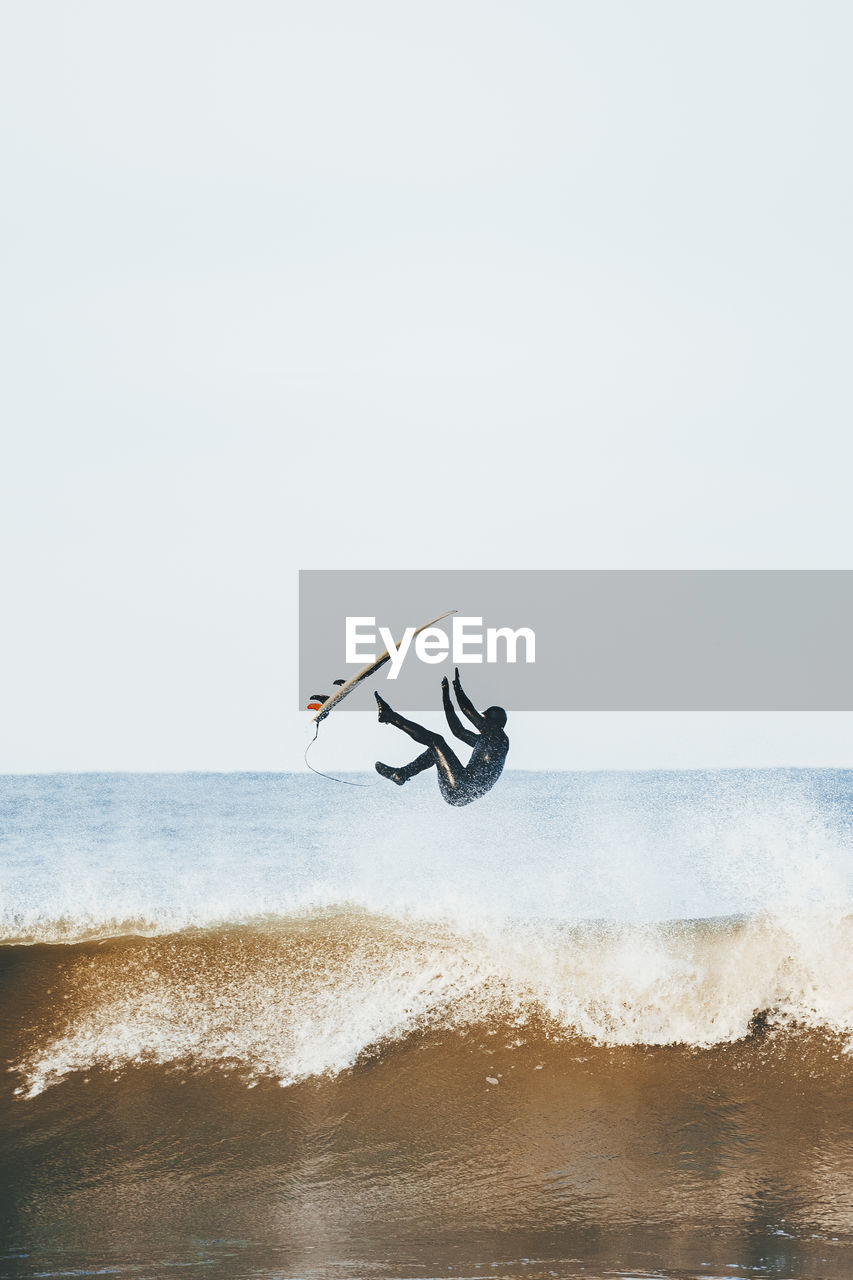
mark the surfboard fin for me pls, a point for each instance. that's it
(317, 699)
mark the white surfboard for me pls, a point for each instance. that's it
(347, 688)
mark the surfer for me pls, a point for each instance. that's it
(459, 784)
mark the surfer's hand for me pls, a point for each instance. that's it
(445, 684)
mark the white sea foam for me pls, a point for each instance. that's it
(368, 916)
(292, 1005)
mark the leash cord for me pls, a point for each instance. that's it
(345, 782)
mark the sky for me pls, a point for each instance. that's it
(469, 284)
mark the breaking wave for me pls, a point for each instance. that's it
(315, 995)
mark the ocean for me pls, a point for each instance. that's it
(594, 1025)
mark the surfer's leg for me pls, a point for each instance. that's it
(387, 715)
(405, 771)
(451, 773)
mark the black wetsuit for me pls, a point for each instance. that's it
(459, 784)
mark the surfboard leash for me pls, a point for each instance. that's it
(345, 782)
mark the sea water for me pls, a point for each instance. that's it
(594, 1024)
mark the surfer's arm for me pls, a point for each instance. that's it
(456, 726)
(466, 706)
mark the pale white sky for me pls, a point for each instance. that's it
(469, 284)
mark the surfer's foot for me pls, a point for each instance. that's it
(385, 711)
(388, 772)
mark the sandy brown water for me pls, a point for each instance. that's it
(158, 1116)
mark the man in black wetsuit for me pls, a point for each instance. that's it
(459, 784)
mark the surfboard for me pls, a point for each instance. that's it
(347, 688)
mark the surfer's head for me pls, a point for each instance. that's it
(495, 716)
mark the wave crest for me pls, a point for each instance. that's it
(311, 996)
